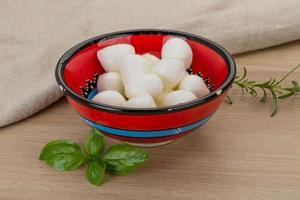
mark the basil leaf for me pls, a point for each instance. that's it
(62, 155)
(122, 159)
(95, 172)
(94, 143)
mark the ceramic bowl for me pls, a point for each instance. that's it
(78, 69)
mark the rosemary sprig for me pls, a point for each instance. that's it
(272, 86)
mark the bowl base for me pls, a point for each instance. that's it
(157, 144)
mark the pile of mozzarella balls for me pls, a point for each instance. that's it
(145, 81)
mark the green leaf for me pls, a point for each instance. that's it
(244, 74)
(228, 99)
(286, 95)
(253, 92)
(274, 103)
(122, 159)
(95, 172)
(273, 81)
(94, 143)
(264, 96)
(63, 155)
(289, 89)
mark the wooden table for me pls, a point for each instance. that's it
(242, 153)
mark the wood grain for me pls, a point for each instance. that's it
(240, 154)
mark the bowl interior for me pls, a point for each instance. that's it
(83, 66)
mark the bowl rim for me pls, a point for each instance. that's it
(231, 66)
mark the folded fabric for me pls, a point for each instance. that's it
(34, 34)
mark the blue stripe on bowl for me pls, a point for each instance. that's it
(147, 134)
(92, 94)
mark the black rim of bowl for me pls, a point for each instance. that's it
(145, 111)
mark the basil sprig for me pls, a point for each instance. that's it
(120, 159)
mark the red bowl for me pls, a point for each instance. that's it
(78, 69)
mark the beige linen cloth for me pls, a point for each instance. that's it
(34, 34)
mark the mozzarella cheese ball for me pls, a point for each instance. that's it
(110, 81)
(151, 58)
(160, 97)
(178, 48)
(111, 56)
(145, 101)
(146, 84)
(171, 71)
(110, 97)
(177, 97)
(132, 67)
(195, 84)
